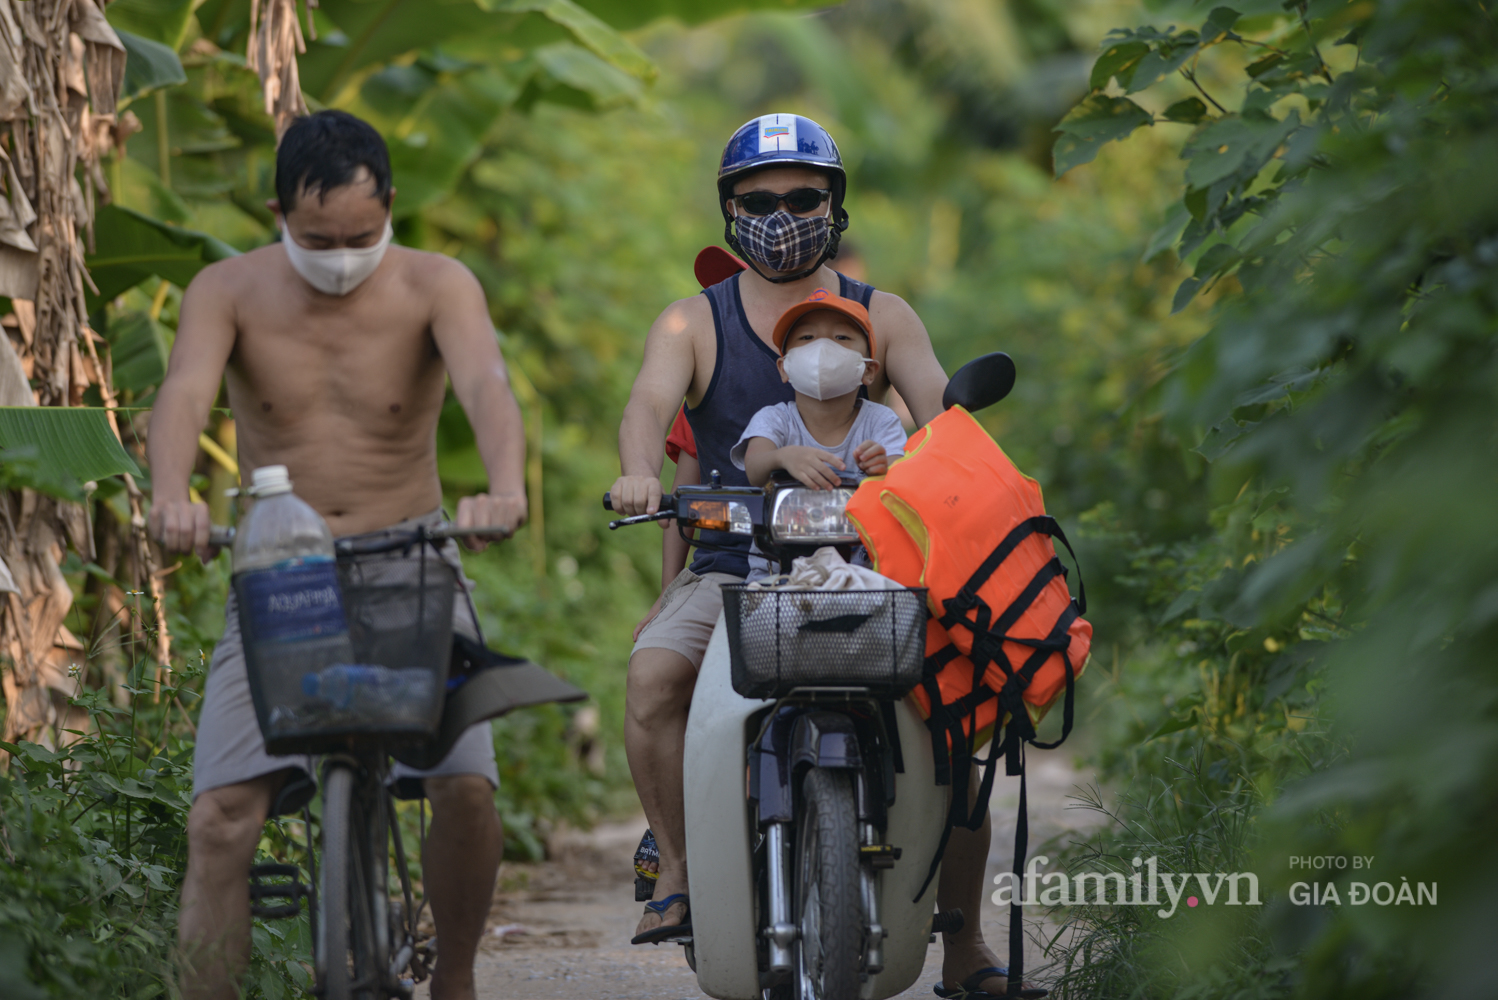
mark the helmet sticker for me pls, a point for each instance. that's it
(777, 133)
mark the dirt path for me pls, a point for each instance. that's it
(560, 930)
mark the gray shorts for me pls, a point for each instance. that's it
(689, 612)
(231, 750)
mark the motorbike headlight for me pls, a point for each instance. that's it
(804, 515)
(716, 514)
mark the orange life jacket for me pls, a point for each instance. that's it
(1005, 638)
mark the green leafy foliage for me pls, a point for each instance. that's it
(1344, 398)
(1097, 120)
(130, 247)
(164, 21)
(149, 65)
(73, 442)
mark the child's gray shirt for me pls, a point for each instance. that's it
(782, 424)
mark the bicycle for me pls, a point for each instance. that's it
(366, 945)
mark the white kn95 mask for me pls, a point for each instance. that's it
(824, 369)
(339, 271)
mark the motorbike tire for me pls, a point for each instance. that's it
(828, 907)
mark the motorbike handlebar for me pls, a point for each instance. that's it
(668, 502)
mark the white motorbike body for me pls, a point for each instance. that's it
(720, 831)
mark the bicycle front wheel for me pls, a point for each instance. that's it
(336, 895)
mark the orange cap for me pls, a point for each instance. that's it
(823, 299)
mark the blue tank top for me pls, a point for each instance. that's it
(744, 380)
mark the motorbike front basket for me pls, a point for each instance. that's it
(784, 639)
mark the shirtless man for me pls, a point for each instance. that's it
(781, 185)
(336, 347)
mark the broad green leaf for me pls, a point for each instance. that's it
(130, 247)
(1218, 258)
(447, 136)
(140, 188)
(149, 65)
(1118, 61)
(1221, 436)
(634, 13)
(1169, 232)
(1096, 120)
(163, 21)
(74, 441)
(380, 31)
(1235, 146)
(576, 67)
(1219, 23)
(138, 351)
(1165, 58)
(603, 40)
(1189, 111)
(1259, 67)
(1173, 725)
(15, 968)
(1184, 294)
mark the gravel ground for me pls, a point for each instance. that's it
(560, 930)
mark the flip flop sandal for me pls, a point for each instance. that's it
(969, 989)
(667, 932)
(644, 877)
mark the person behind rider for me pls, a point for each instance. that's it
(336, 347)
(781, 186)
(826, 346)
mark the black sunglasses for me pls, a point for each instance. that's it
(800, 200)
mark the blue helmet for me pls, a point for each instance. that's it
(783, 140)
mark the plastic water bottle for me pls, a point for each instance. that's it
(290, 605)
(371, 690)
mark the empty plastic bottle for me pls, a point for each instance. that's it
(375, 690)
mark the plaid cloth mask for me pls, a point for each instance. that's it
(782, 241)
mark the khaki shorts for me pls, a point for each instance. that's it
(230, 749)
(689, 612)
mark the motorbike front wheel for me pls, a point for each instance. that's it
(828, 908)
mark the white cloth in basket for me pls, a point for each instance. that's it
(826, 569)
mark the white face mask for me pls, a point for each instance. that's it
(824, 369)
(340, 271)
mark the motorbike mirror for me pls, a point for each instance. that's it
(979, 383)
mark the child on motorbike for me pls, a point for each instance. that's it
(826, 346)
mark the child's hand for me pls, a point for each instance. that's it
(872, 458)
(810, 466)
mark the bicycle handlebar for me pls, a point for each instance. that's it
(221, 535)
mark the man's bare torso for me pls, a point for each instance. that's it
(344, 391)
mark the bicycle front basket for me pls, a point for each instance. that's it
(783, 639)
(384, 680)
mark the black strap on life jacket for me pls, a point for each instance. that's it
(1011, 733)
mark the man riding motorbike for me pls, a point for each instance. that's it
(781, 186)
(336, 347)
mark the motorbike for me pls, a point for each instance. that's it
(812, 811)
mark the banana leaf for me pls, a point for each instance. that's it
(625, 14)
(163, 21)
(72, 442)
(130, 247)
(149, 65)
